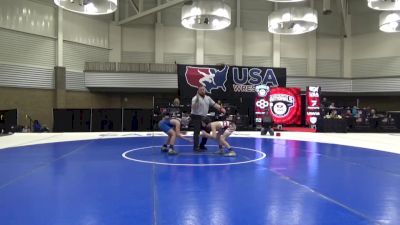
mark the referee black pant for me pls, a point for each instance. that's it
(196, 122)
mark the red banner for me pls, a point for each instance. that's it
(285, 105)
(313, 105)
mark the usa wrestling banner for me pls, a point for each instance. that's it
(227, 81)
(313, 105)
(285, 105)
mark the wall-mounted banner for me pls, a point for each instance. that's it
(261, 103)
(227, 81)
(285, 105)
(313, 105)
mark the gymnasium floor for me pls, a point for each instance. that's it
(124, 179)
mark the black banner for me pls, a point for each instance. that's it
(227, 81)
(71, 120)
(8, 120)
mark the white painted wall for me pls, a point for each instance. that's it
(376, 45)
(39, 18)
(294, 46)
(28, 37)
(219, 42)
(328, 47)
(328, 60)
(28, 16)
(24, 49)
(294, 54)
(138, 39)
(179, 40)
(115, 43)
(376, 55)
(257, 43)
(85, 29)
(27, 44)
(365, 22)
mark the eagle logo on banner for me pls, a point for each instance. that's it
(285, 105)
(210, 78)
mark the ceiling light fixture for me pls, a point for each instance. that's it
(88, 7)
(206, 15)
(293, 21)
(389, 22)
(384, 4)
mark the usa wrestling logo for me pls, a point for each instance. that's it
(210, 78)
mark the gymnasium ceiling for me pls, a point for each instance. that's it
(254, 15)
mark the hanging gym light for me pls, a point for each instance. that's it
(206, 15)
(88, 7)
(293, 21)
(389, 22)
(384, 4)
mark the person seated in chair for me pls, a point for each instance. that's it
(37, 127)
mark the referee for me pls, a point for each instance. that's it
(200, 105)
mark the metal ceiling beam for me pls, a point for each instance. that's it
(134, 6)
(238, 13)
(158, 18)
(344, 11)
(151, 11)
(140, 6)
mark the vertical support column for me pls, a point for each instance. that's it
(159, 38)
(159, 43)
(59, 69)
(140, 6)
(276, 47)
(115, 42)
(347, 49)
(158, 20)
(238, 37)
(238, 46)
(312, 50)
(60, 85)
(116, 15)
(126, 11)
(199, 47)
(312, 54)
(115, 39)
(276, 50)
(60, 37)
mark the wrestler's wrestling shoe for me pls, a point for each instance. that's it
(220, 151)
(203, 148)
(164, 149)
(171, 151)
(198, 150)
(231, 153)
